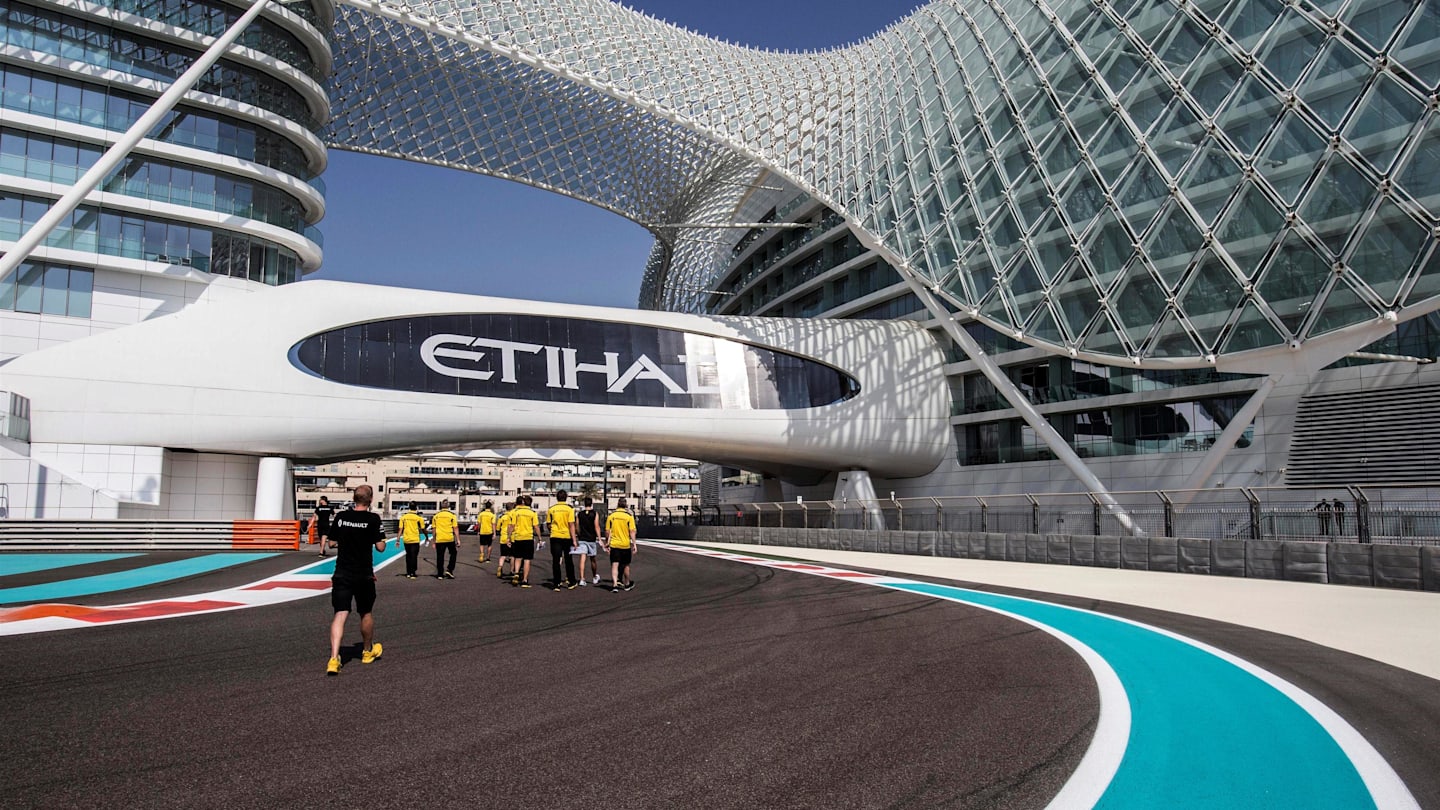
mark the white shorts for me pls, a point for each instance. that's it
(582, 547)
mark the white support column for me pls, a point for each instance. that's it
(273, 491)
(1224, 444)
(1053, 440)
(855, 486)
(122, 147)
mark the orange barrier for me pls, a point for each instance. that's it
(266, 535)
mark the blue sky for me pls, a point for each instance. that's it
(411, 225)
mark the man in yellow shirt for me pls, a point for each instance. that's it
(445, 526)
(620, 529)
(524, 525)
(485, 528)
(562, 533)
(411, 524)
(502, 527)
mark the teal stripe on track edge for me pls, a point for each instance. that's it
(125, 580)
(377, 558)
(11, 564)
(1204, 733)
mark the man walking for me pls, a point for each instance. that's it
(523, 525)
(446, 525)
(324, 513)
(485, 529)
(356, 532)
(587, 523)
(620, 531)
(561, 517)
(502, 528)
(411, 525)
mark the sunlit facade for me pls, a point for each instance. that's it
(1126, 223)
(1153, 183)
(227, 186)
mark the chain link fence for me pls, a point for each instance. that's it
(1392, 515)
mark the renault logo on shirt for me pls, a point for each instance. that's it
(569, 360)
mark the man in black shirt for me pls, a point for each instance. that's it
(324, 512)
(354, 533)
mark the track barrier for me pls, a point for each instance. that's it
(1372, 564)
(149, 535)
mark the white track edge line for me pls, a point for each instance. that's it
(1098, 766)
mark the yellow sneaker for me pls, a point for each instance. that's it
(333, 668)
(371, 655)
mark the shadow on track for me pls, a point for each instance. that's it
(710, 684)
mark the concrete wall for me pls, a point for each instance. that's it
(1408, 567)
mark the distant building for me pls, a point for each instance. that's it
(469, 479)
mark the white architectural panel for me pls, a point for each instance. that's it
(231, 376)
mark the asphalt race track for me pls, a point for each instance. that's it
(711, 684)
(722, 680)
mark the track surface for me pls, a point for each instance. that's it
(711, 684)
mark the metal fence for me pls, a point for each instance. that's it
(1394, 515)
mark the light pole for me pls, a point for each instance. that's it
(605, 483)
(658, 458)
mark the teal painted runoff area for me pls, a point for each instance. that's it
(125, 580)
(11, 564)
(377, 558)
(1204, 732)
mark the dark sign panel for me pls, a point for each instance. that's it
(548, 359)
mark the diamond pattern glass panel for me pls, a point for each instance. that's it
(1296, 276)
(1337, 201)
(1379, 129)
(917, 138)
(1387, 251)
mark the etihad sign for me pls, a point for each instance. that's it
(562, 365)
(574, 360)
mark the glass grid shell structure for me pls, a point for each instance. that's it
(1147, 182)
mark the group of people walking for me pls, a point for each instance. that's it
(573, 534)
(575, 541)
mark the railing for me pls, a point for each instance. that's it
(1391, 515)
(167, 535)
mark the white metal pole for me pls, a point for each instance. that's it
(1226, 441)
(122, 148)
(1053, 440)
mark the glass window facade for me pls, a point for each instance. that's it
(42, 157)
(95, 43)
(71, 99)
(212, 18)
(113, 233)
(1127, 430)
(48, 289)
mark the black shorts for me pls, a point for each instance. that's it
(523, 549)
(343, 590)
(487, 539)
(621, 555)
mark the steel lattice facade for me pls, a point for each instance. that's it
(1150, 182)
